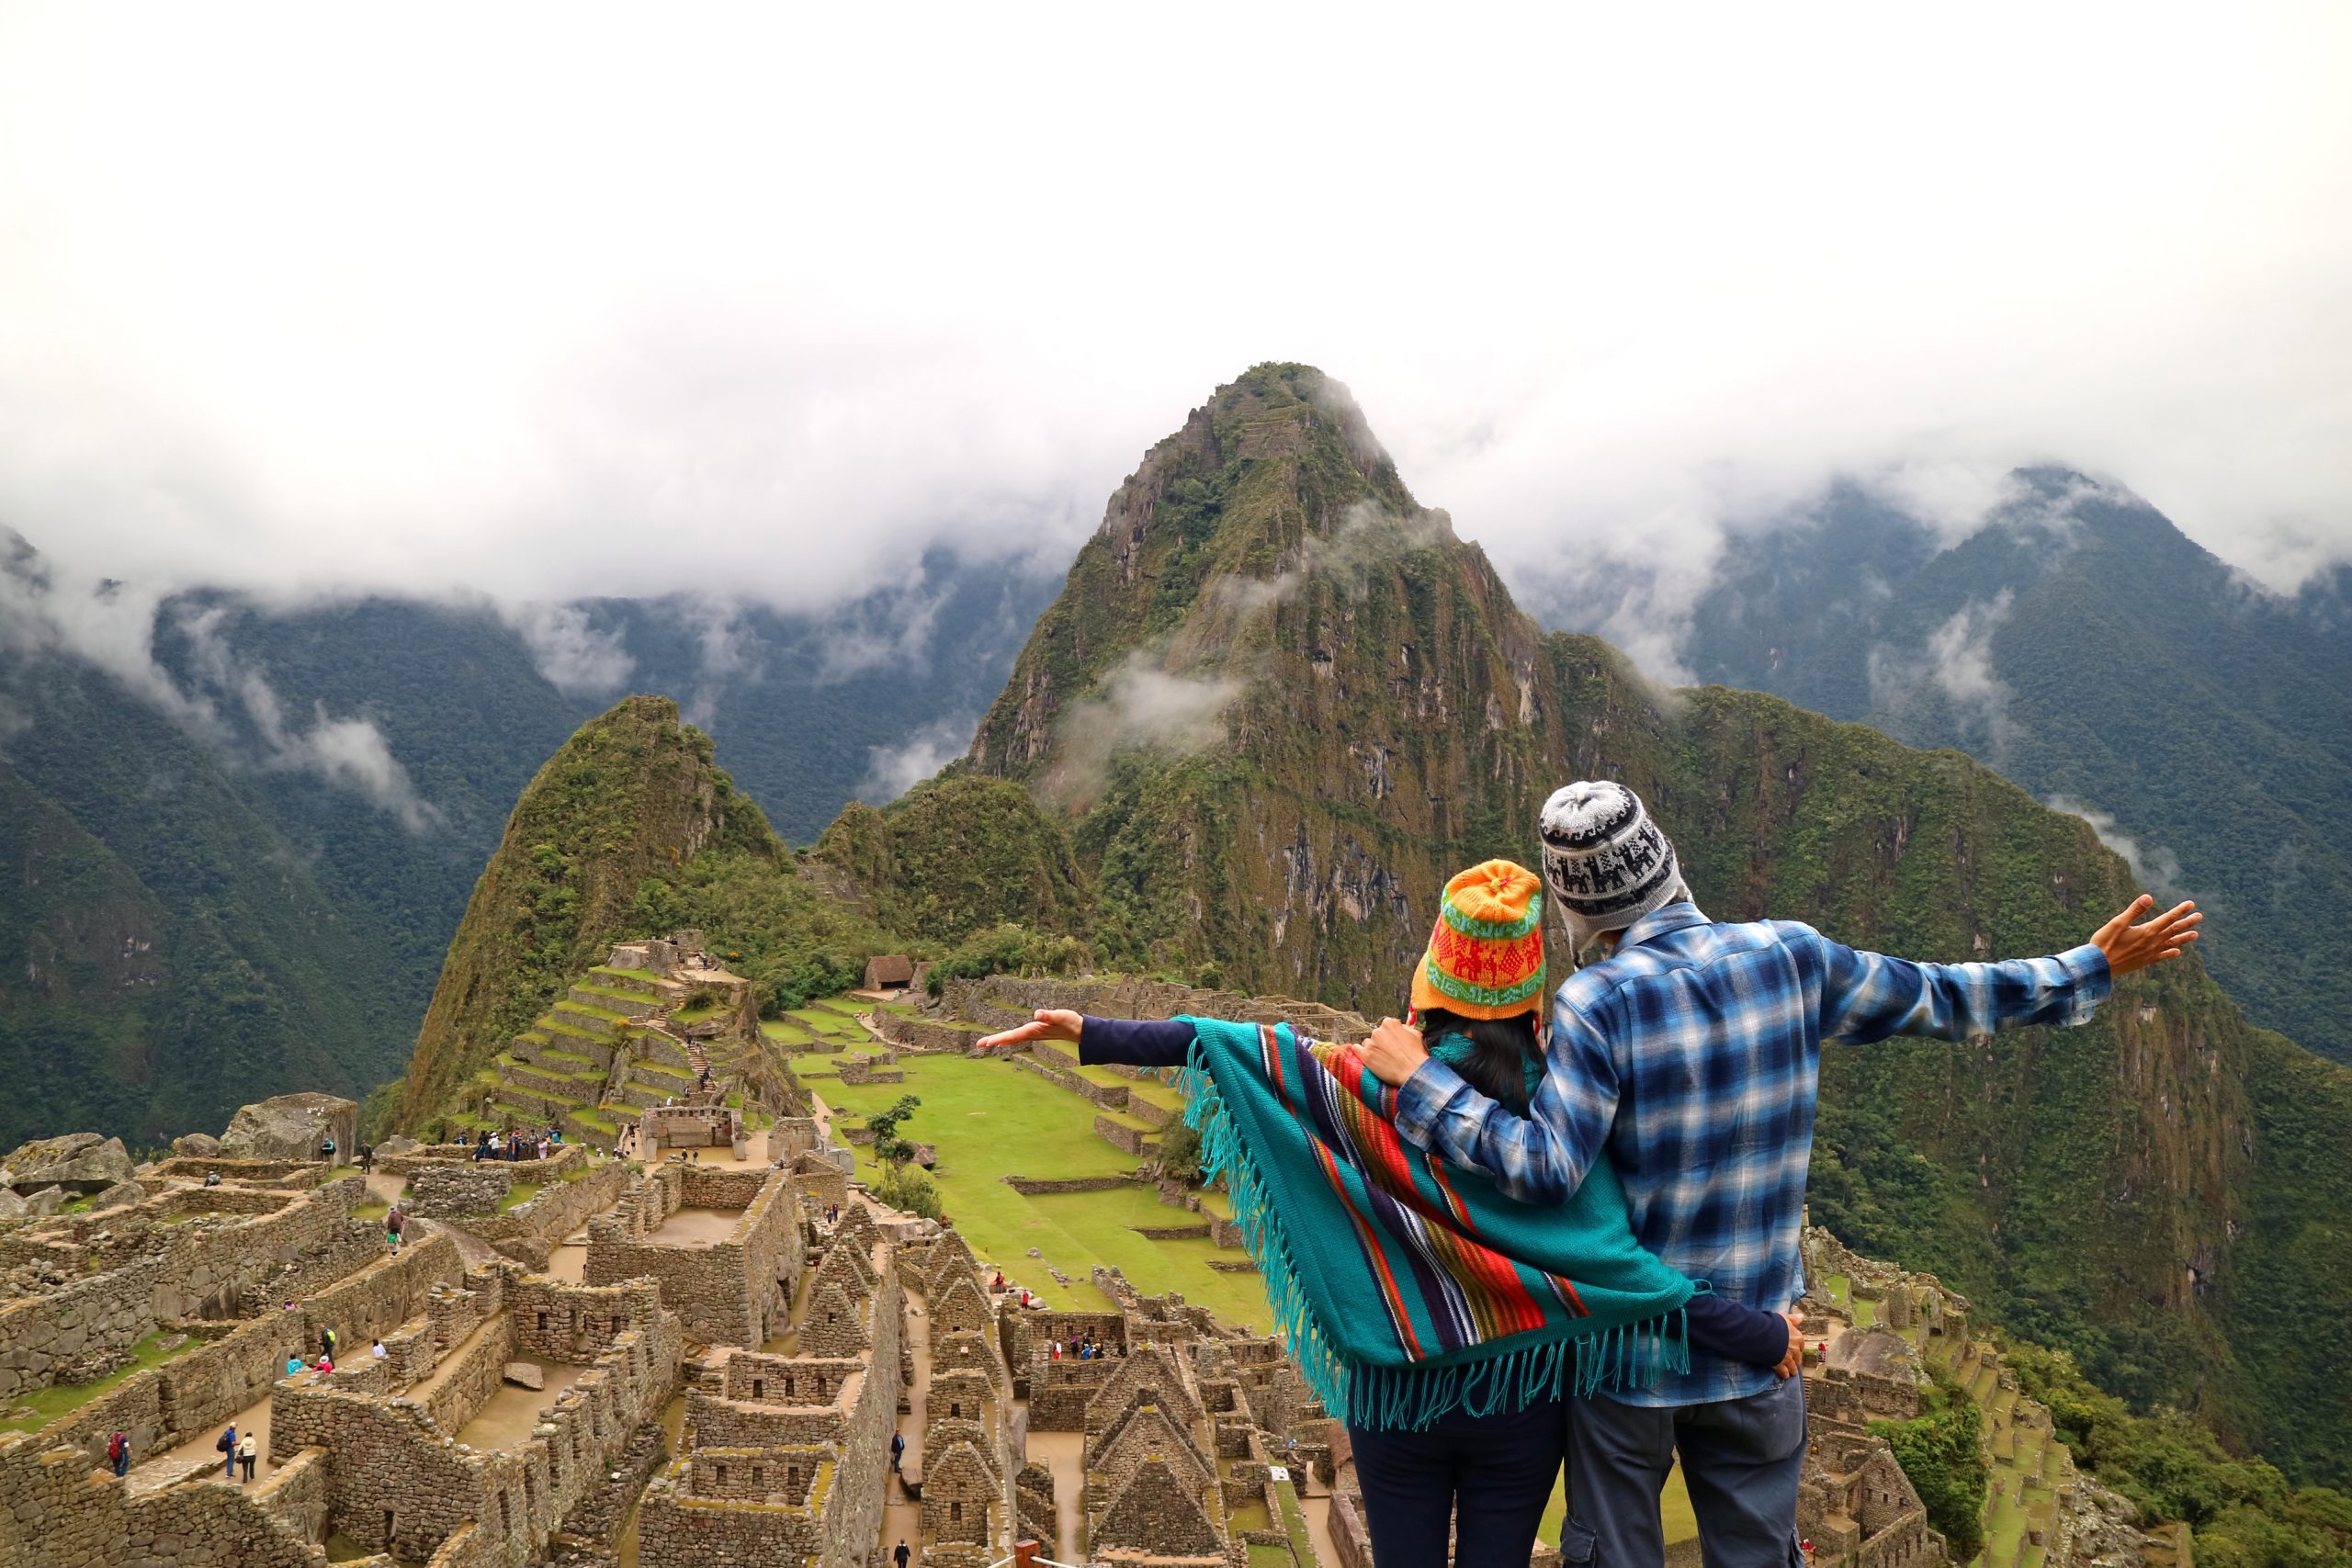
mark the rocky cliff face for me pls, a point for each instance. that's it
(1278, 702)
(632, 793)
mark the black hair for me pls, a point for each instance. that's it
(1500, 1049)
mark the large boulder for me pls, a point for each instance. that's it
(197, 1146)
(81, 1163)
(291, 1126)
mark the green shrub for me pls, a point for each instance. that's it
(904, 1187)
(1942, 1450)
(1011, 950)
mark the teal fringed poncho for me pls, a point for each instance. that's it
(1406, 1288)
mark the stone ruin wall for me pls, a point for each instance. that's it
(162, 1271)
(448, 1192)
(736, 1291)
(675, 1525)
(531, 1230)
(398, 1486)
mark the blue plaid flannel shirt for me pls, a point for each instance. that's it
(1692, 1055)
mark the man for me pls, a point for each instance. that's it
(119, 1452)
(1691, 1053)
(898, 1451)
(898, 1553)
(227, 1445)
(395, 1222)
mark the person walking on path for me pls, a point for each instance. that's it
(394, 1222)
(248, 1451)
(228, 1448)
(1686, 1061)
(367, 1159)
(898, 1453)
(898, 1553)
(1447, 1321)
(119, 1452)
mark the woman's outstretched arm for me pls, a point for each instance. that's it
(1109, 1042)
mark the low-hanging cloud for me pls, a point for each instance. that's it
(573, 655)
(47, 613)
(2155, 867)
(1957, 663)
(891, 771)
(1141, 706)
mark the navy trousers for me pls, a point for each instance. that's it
(1486, 1478)
(1741, 1460)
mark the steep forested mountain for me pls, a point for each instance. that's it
(630, 829)
(239, 851)
(2081, 645)
(1278, 701)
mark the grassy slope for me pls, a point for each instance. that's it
(988, 1119)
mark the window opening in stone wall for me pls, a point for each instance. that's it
(505, 1515)
(759, 1388)
(720, 1472)
(388, 1528)
(543, 1323)
(955, 1513)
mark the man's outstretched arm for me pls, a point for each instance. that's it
(1868, 996)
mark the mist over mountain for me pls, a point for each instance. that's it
(246, 832)
(2079, 643)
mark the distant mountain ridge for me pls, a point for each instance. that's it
(213, 909)
(2081, 645)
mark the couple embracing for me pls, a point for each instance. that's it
(1498, 1240)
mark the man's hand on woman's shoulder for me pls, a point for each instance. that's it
(1394, 1052)
(1047, 1023)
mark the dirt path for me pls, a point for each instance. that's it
(901, 1515)
(1064, 1454)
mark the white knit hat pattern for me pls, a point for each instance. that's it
(1606, 863)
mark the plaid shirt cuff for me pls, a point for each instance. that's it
(2087, 967)
(1423, 1098)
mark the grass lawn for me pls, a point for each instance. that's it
(520, 1194)
(988, 1119)
(48, 1403)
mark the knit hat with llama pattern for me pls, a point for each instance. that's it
(1486, 957)
(1606, 863)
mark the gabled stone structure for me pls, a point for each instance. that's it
(1155, 1517)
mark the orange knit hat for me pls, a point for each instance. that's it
(1486, 957)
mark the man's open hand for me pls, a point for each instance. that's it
(2130, 947)
(1045, 1023)
(1394, 1052)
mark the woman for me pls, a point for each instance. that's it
(1441, 1319)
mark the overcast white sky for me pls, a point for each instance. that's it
(567, 300)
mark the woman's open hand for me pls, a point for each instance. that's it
(1047, 1023)
(1394, 1052)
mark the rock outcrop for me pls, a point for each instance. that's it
(81, 1163)
(291, 1126)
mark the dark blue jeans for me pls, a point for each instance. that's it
(1741, 1460)
(1488, 1477)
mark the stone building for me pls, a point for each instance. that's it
(724, 1244)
